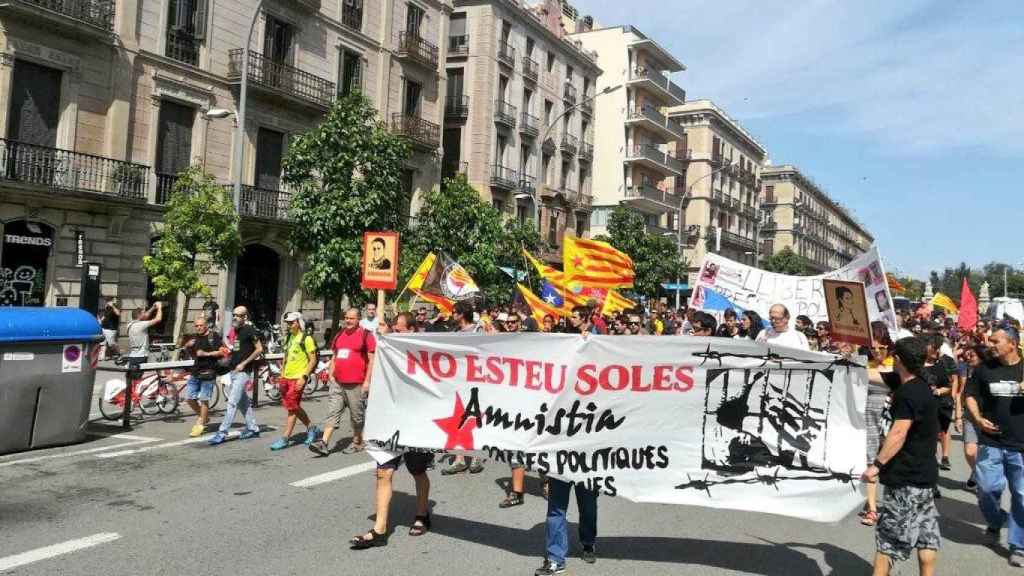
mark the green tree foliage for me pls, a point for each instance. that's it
(655, 257)
(950, 280)
(200, 232)
(786, 261)
(912, 289)
(345, 177)
(457, 221)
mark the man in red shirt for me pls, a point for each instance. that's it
(351, 364)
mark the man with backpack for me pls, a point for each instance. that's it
(205, 348)
(351, 365)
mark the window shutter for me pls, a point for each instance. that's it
(201, 10)
(357, 73)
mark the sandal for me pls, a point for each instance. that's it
(353, 448)
(420, 526)
(870, 518)
(376, 540)
(513, 499)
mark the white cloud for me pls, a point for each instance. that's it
(916, 77)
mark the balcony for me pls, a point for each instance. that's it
(586, 153)
(587, 104)
(352, 15)
(181, 46)
(81, 18)
(264, 203)
(570, 195)
(584, 201)
(650, 199)
(456, 108)
(449, 168)
(504, 114)
(458, 46)
(415, 49)
(531, 70)
(548, 146)
(423, 134)
(657, 83)
(651, 157)
(62, 171)
(769, 227)
(529, 125)
(164, 186)
(504, 178)
(507, 54)
(659, 230)
(570, 144)
(527, 184)
(749, 211)
(653, 120)
(569, 94)
(282, 80)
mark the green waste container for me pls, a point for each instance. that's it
(47, 368)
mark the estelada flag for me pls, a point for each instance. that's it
(442, 276)
(545, 271)
(538, 307)
(968, 309)
(894, 284)
(441, 302)
(615, 303)
(573, 295)
(595, 264)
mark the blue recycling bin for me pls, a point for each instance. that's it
(47, 368)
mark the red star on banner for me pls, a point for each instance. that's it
(577, 262)
(457, 437)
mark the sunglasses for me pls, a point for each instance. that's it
(238, 315)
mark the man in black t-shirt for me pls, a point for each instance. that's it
(907, 468)
(995, 402)
(245, 350)
(938, 373)
(204, 347)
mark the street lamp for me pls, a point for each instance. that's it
(679, 219)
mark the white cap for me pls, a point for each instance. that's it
(293, 317)
(502, 317)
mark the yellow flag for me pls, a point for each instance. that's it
(943, 301)
(416, 281)
(595, 264)
(615, 303)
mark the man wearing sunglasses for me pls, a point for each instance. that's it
(704, 324)
(244, 351)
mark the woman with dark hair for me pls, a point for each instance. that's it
(750, 325)
(879, 362)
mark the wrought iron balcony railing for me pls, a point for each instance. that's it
(164, 186)
(421, 132)
(586, 151)
(67, 171)
(529, 125)
(98, 14)
(456, 107)
(458, 45)
(504, 113)
(503, 177)
(507, 54)
(411, 46)
(282, 78)
(587, 104)
(352, 15)
(527, 183)
(569, 94)
(264, 203)
(657, 156)
(182, 47)
(531, 70)
(570, 143)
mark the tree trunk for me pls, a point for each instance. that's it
(336, 316)
(182, 314)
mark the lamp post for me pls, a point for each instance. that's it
(679, 222)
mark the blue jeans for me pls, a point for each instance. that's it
(238, 399)
(997, 468)
(558, 526)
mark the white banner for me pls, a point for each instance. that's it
(757, 290)
(683, 420)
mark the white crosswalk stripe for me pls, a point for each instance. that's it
(47, 552)
(133, 441)
(334, 475)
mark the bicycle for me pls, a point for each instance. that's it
(151, 394)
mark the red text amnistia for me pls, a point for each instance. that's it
(547, 376)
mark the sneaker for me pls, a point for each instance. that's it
(319, 448)
(549, 568)
(476, 467)
(279, 444)
(944, 464)
(1017, 558)
(589, 555)
(311, 434)
(992, 535)
(197, 431)
(218, 438)
(971, 484)
(457, 468)
(247, 434)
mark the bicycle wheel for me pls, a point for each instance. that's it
(167, 397)
(148, 394)
(112, 409)
(310, 385)
(268, 380)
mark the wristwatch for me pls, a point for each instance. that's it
(877, 464)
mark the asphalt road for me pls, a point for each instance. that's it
(150, 501)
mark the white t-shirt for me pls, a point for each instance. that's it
(790, 338)
(903, 333)
(370, 325)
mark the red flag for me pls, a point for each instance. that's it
(968, 309)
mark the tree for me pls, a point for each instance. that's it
(786, 261)
(950, 280)
(200, 232)
(345, 177)
(656, 258)
(456, 221)
(912, 289)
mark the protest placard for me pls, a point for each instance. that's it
(847, 312)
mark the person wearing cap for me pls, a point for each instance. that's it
(300, 359)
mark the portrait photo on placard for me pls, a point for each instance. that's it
(380, 260)
(847, 311)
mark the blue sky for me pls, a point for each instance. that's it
(909, 112)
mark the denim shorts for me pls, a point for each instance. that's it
(197, 389)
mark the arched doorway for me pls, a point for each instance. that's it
(259, 270)
(24, 262)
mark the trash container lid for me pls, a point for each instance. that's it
(26, 324)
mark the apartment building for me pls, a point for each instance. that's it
(105, 101)
(721, 208)
(517, 116)
(802, 217)
(635, 162)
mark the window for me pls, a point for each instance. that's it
(499, 151)
(566, 175)
(769, 194)
(545, 169)
(408, 190)
(527, 99)
(414, 20)
(411, 105)
(352, 14)
(522, 213)
(456, 82)
(524, 161)
(458, 39)
(586, 87)
(35, 105)
(506, 32)
(277, 40)
(351, 73)
(498, 204)
(568, 74)
(581, 224)
(186, 29)
(502, 88)
(269, 150)
(716, 147)
(174, 145)
(549, 108)
(551, 62)
(529, 47)
(553, 229)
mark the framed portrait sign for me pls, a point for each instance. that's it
(847, 312)
(380, 260)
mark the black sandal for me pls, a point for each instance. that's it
(513, 499)
(376, 540)
(420, 526)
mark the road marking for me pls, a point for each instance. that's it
(335, 475)
(185, 442)
(135, 441)
(18, 560)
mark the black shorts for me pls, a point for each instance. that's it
(945, 419)
(415, 462)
